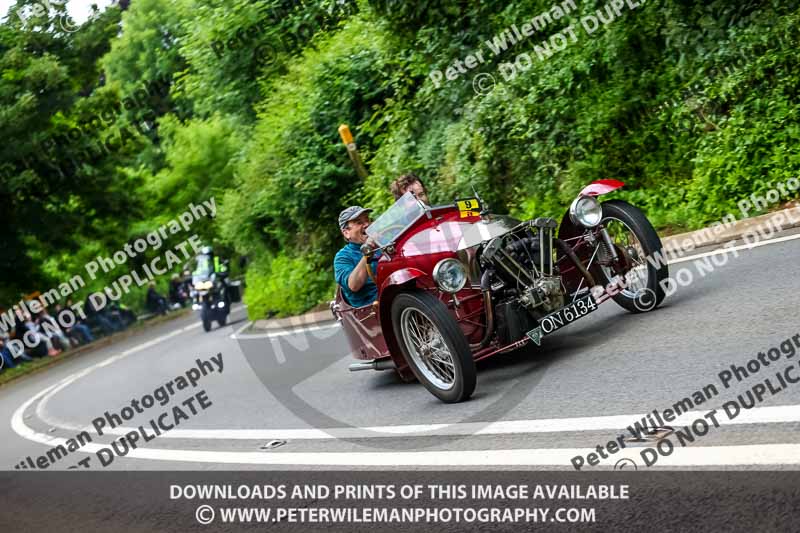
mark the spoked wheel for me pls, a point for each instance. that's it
(434, 345)
(635, 240)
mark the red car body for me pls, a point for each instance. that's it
(409, 264)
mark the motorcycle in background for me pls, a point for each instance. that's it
(210, 292)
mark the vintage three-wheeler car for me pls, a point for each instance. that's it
(458, 284)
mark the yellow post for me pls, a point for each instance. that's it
(346, 135)
(352, 150)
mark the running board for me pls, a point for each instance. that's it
(375, 364)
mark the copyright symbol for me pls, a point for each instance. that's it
(67, 24)
(483, 84)
(625, 463)
(204, 514)
(645, 300)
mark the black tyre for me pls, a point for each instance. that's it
(223, 320)
(633, 234)
(434, 346)
(205, 316)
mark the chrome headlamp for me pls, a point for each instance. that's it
(586, 211)
(450, 275)
(203, 285)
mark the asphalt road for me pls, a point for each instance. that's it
(288, 400)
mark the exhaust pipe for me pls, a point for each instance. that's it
(375, 364)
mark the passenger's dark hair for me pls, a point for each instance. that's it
(404, 182)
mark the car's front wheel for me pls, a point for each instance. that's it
(434, 346)
(646, 268)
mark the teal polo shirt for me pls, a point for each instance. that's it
(343, 265)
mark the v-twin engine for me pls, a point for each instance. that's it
(521, 262)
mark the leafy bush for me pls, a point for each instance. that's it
(693, 105)
(295, 177)
(286, 285)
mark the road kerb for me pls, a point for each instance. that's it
(790, 218)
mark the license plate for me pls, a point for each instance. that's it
(563, 317)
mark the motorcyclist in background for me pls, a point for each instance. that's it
(220, 267)
(211, 293)
(209, 262)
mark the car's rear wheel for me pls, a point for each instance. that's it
(434, 346)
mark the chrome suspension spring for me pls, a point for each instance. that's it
(604, 255)
(607, 253)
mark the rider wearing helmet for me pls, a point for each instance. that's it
(209, 264)
(208, 261)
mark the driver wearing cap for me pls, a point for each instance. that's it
(350, 265)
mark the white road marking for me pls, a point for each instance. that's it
(21, 428)
(745, 455)
(241, 329)
(283, 333)
(51, 391)
(616, 424)
(762, 455)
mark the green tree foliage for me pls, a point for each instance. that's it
(294, 179)
(200, 156)
(691, 104)
(148, 49)
(55, 193)
(231, 46)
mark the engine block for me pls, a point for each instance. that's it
(523, 260)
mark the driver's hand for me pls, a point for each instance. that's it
(368, 248)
